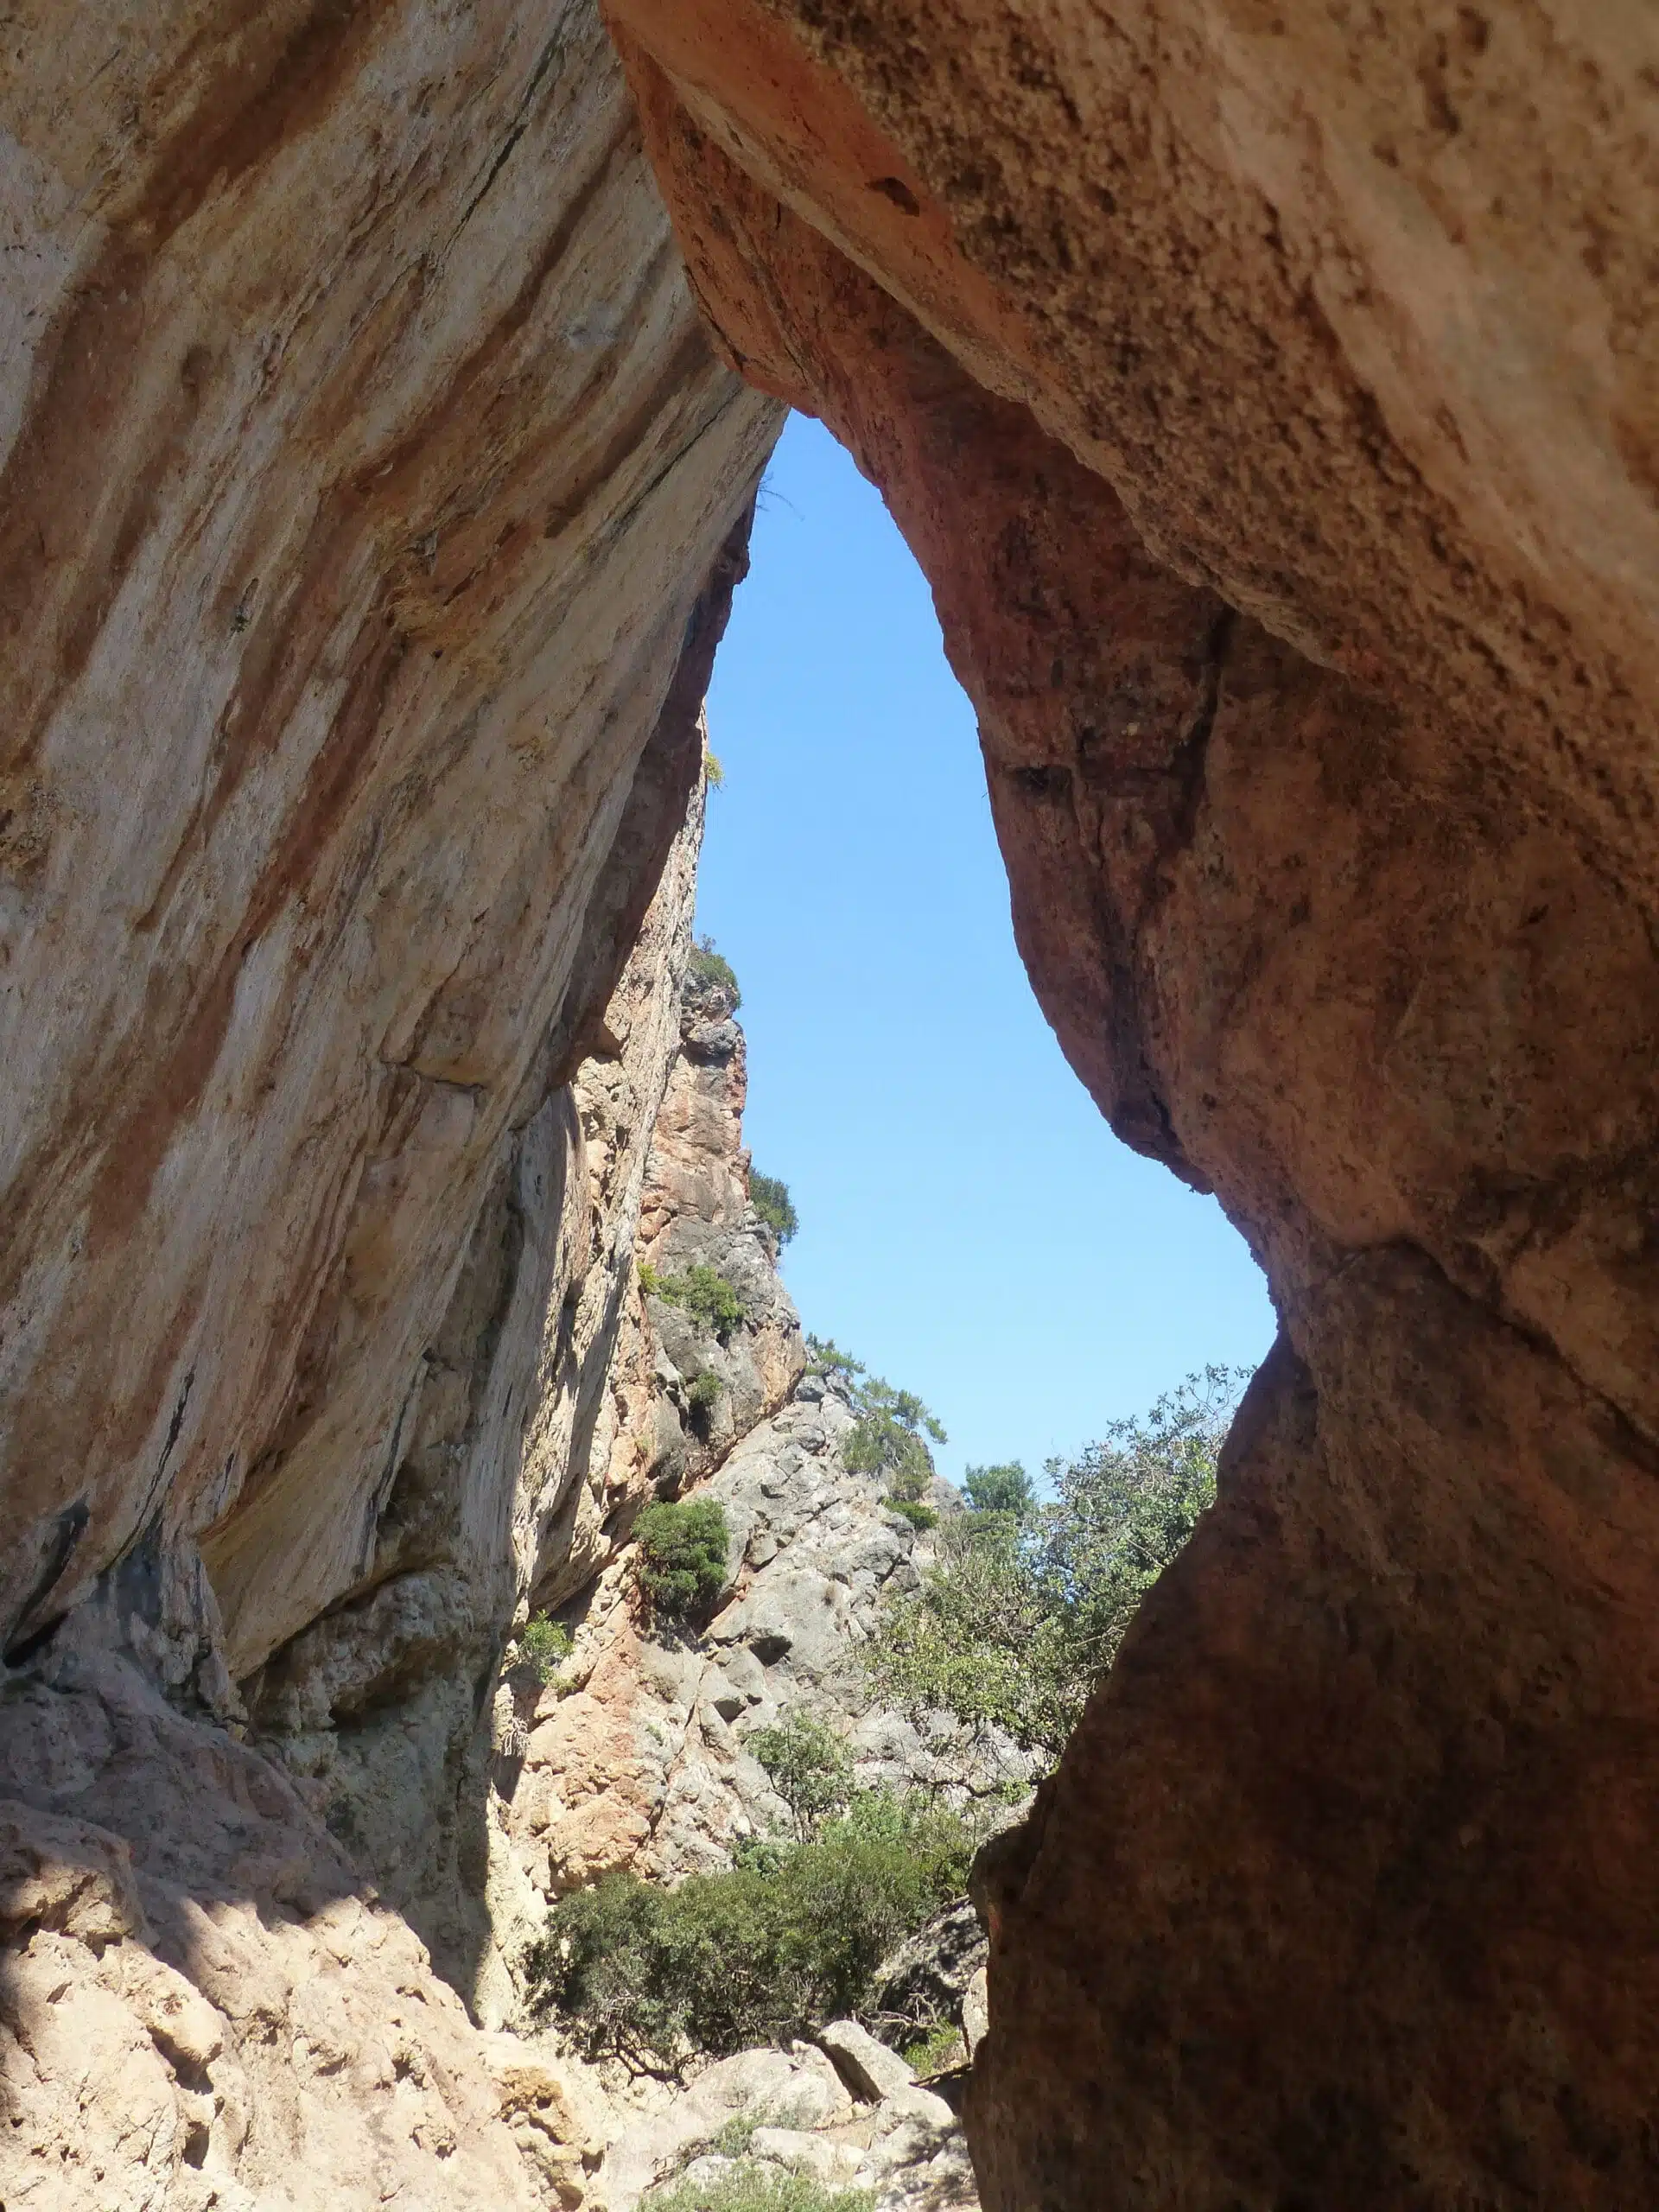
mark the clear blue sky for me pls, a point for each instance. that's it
(969, 1225)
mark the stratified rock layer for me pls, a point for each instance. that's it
(1271, 404)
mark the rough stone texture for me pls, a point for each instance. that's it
(894, 2139)
(202, 2008)
(1271, 400)
(514, 1476)
(364, 480)
(643, 1762)
(696, 1212)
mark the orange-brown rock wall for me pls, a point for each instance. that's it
(1327, 828)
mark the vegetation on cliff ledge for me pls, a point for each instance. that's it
(682, 1550)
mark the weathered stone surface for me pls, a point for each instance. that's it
(366, 484)
(1329, 826)
(644, 1764)
(201, 2006)
(514, 1466)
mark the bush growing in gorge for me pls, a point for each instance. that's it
(709, 970)
(748, 2187)
(807, 1765)
(682, 1548)
(1025, 1603)
(545, 1646)
(771, 1201)
(767, 1951)
(704, 1292)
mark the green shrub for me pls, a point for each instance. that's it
(1023, 1610)
(727, 1960)
(919, 1517)
(888, 1438)
(713, 774)
(747, 2187)
(709, 970)
(683, 1549)
(1007, 1489)
(771, 1201)
(942, 2047)
(545, 1646)
(825, 1357)
(807, 1765)
(704, 1395)
(704, 1292)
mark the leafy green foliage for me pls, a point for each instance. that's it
(889, 1438)
(748, 2187)
(683, 1547)
(940, 2048)
(704, 1292)
(713, 774)
(825, 1357)
(704, 1395)
(919, 1517)
(1024, 1608)
(545, 1646)
(807, 1765)
(757, 1954)
(1007, 1489)
(771, 1201)
(708, 969)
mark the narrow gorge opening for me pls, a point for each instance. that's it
(970, 1226)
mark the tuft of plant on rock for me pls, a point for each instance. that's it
(771, 1201)
(890, 1438)
(921, 1517)
(807, 1764)
(708, 969)
(703, 1396)
(759, 1954)
(682, 1550)
(545, 1646)
(703, 1292)
(1024, 1608)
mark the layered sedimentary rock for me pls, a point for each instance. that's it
(1271, 403)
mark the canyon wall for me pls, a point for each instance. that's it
(1271, 402)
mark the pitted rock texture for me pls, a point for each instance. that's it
(369, 498)
(1271, 403)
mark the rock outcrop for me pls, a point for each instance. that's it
(1271, 403)
(849, 2114)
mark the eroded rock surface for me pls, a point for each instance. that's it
(1271, 403)
(369, 498)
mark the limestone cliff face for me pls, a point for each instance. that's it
(634, 1756)
(369, 506)
(1271, 403)
(369, 497)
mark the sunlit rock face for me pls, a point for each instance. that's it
(1271, 404)
(368, 486)
(371, 501)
